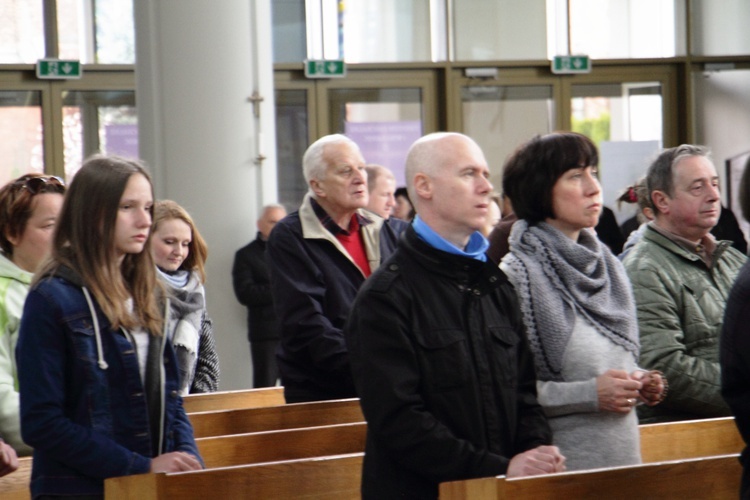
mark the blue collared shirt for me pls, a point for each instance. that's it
(475, 249)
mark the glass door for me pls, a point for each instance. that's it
(98, 122)
(627, 116)
(384, 112)
(292, 139)
(21, 119)
(500, 117)
(503, 112)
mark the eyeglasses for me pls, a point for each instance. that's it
(43, 184)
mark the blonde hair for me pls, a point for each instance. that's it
(165, 210)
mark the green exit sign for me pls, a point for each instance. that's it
(58, 69)
(562, 65)
(325, 68)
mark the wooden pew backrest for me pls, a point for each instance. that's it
(689, 439)
(291, 416)
(15, 486)
(320, 478)
(234, 400)
(712, 477)
(273, 446)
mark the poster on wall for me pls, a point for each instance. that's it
(121, 139)
(385, 143)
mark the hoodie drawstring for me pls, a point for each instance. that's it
(99, 351)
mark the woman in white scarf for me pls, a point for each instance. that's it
(577, 304)
(180, 255)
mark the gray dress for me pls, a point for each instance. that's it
(590, 438)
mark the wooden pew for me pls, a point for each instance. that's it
(339, 477)
(712, 477)
(291, 416)
(659, 442)
(15, 486)
(319, 478)
(274, 446)
(690, 439)
(234, 400)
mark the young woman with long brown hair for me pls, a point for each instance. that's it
(98, 378)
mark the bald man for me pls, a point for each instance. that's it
(445, 377)
(252, 287)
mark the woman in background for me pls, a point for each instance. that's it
(577, 304)
(29, 207)
(97, 376)
(180, 256)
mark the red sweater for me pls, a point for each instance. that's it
(354, 245)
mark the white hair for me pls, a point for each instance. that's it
(313, 164)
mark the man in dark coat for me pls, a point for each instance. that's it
(444, 374)
(319, 256)
(252, 286)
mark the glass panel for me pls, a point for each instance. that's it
(502, 29)
(73, 31)
(619, 29)
(500, 118)
(289, 33)
(98, 122)
(625, 122)
(21, 31)
(21, 120)
(720, 28)
(387, 31)
(383, 122)
(292, 135)
(115, 31)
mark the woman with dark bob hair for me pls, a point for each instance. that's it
(576, 302)
(97, 376)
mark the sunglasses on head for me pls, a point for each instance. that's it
(43, 184)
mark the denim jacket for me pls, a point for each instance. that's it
(84, 407)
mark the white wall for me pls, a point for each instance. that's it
(722, 112)
(196, 66)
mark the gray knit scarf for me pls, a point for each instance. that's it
(557, 278)
(187, 306)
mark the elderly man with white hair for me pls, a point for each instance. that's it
(318, 258)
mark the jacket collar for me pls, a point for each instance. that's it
(465, 271)
(313, 229)
(11, 271)
(654, 236)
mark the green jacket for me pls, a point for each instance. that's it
(14, 285)
(680, 304)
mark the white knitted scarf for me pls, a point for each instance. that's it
(557, 278)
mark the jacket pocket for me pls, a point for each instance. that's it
(94, 380)
(505, 354)
(84, 343)
(703, 317)
(444, 357)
